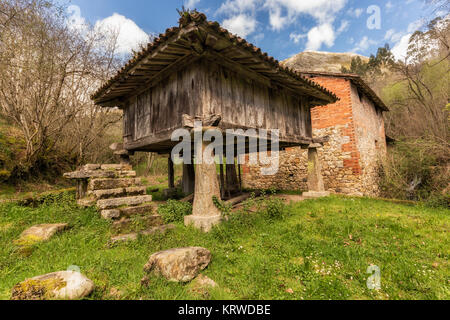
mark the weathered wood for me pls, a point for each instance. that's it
(171, 173)
(188, 182)
(232, 182)
(239, 199)
(210, 92)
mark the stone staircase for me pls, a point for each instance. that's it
(120, 197)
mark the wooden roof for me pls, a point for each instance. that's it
(357, 80)
(196, 38)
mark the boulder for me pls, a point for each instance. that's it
(62, 285)
(179, 265)
(39, 233)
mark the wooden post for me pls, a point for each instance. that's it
(205, 214)
(315, 180)
(188, 183)
(232, 179)
(222, 180)
(240, 177)
(171, 174)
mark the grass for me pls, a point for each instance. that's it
(321, 250)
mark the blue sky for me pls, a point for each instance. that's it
(280, 27)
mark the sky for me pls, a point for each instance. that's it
(282, 28)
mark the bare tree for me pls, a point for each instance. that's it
(47, 72)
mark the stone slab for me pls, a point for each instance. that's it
(315, 194)
(118, 202)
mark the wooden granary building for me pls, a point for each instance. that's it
(199, 70)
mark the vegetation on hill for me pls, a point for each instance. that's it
(322, 61)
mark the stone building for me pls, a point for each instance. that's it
(357, 141)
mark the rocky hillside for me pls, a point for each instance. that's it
(321, 61)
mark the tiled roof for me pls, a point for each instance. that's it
(357, 80)
(194, 34)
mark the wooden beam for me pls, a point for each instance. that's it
(171, 173)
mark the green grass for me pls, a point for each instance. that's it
(321, 250)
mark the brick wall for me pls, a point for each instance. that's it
(353, 127)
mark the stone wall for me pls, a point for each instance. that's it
(349, 159)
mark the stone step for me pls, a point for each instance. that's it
(86, 202)
(127, 212)
(95, 174)
(134, 236)
(105, 184)
(119, 202)
(145, 209)
(118, 193)
(117, 167)
(137, 224)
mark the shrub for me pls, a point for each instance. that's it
(274, 208)
(414, 170)
(174, 211)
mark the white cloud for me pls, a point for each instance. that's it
(344, 26)
(129, 35)
(392, 35)
(75, 20)
(401, 48)
(190, 4)
(389, 5)
(242, 25)
(364, 44)
(356, 13)
(241, 18)
(416, 25)
(237, 6)
(319, 35)
(296, 37)
(323, 11)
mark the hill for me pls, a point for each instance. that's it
(321, 61)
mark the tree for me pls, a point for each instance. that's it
(47, 72)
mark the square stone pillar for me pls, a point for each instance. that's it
(205, 213)
(315, 180)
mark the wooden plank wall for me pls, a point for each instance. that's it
(208, 88)
(246, 103)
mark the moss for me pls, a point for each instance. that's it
(37, 289)
(28, 240)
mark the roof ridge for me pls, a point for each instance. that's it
(195, 18)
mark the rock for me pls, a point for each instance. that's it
(62, 285)
(110, 214)
(118, 202)
(39, 233)
(203, 282)
(86, 202)
(201, 286)
(144, 222)
(134, 236)
(91, 167)
(179, 265)
(117, 167)
(104, 184)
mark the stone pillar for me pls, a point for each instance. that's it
(315, 180)
(82, 188)
(205, 214)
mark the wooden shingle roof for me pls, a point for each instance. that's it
(194, 38)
